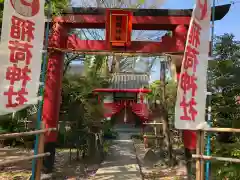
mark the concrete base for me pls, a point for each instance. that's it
(48, 161)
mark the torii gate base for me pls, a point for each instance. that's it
(176, 21)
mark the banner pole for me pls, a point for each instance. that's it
(207, 173)
(208, 149)
(41, 88)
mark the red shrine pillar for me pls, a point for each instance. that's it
(180, 34)
(189, 137)
(52, 96)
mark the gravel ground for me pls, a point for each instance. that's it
(154, 164)
(63, 168)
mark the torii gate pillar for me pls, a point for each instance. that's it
(52, 95)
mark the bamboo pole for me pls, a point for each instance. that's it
(214, 158)
(214, 130)
(153, 123)
(14, 135)
(209, 119)
(42, 87)
(198, 152)
(202, 153)
(25, 158)
(40, 151)
(156, 124)
(155, 133)
(153, 136)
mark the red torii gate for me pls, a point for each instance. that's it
(176, 21)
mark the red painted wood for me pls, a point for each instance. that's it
(138, 22)
(167, 45)
(126, 27)
(140, 109)
(180, 34)
(52, 95)
(190, 139)
(111, 108)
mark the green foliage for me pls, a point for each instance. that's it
(156, 94)
(110, 134)
(80, 107)
(10, 124)
(57, 7)
(108, 131)
(79, 104)
(224, 82)
(224, 170)
(228, 171)
(106, 145)
(14, 123)
(78, 99)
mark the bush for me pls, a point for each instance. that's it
(226, 170)
(137, 136)
(110, 134)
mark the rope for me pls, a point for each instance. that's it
(111, 53)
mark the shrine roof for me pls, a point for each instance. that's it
(129, 81)
(220, 11)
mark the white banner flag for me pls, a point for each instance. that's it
(191, 93)
(21, 53)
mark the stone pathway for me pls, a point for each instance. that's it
(121, 162)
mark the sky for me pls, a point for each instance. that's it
(229, 24)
